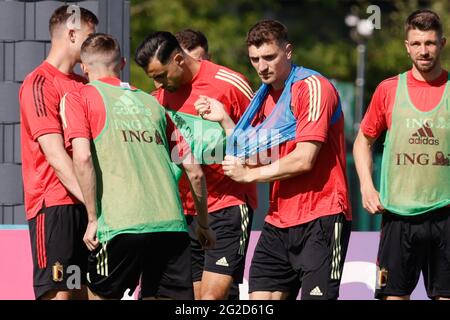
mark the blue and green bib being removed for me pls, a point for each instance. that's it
(207, 139)
(279, 127)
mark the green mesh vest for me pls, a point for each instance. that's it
(137, 190)
(415, 170)
(206, 138)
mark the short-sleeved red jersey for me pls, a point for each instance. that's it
(323, 190)
(233, 90)
(39, 98)
(424, 95)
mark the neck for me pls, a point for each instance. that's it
(192, 68)
(279, 83)
(61, 59)
(105, 73)
(427, 76)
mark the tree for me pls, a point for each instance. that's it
(225, 24)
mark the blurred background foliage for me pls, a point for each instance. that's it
(316, 28)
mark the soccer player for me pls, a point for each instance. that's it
(415, 191)
(180, 81)
(121, 139)
(306, 232)
(56, 217)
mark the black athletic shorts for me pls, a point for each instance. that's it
(160, 260)
(309, 256)
(57, 247)
(409, 245)
(232, 227)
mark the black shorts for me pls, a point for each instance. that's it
(310, 256)
(160, 260)
(232, 227)
(409, 245)
(57, 248)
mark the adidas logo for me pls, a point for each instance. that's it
(316, 292)
(424, 136)
(222, 262)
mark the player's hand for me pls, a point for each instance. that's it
(206, 237)
(210, 109)
(235, 168)
(90, 236)
(371, 200)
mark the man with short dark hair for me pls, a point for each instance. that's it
(194, 42)
(56, 217)
(415, 191)
(304, 239)
(181, 80)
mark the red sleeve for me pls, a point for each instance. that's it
(374, 122)
(178, 146)
(74, 117)
(238, 98)
(315, 103)
(40, 106)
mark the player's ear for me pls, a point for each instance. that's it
(72, 35)
(179, 58)
(289, 49)
(407, 46)
(85, 69)
(123, 63)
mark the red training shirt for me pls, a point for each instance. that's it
(233, 90)
(424, 95)
(322, 191)
(39, 98)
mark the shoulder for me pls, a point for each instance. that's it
(38, 89)
(79, 97)
(388, 85)
(38, 79)
(86, 90)
(317, 87)
(314, 82)
(228, 80)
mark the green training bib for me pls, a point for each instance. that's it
(415, 170)
(137, 190)
(206, 138)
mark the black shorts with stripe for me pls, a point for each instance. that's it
(58, 251)
(232, 227)
(160, 260)
(410, 245)
(309, 256)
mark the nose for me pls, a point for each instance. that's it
(262, 66)
(423, 50)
